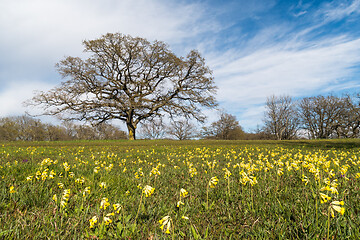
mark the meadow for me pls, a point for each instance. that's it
(180, 190)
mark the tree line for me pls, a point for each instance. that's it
(318, 117)
(26, 128)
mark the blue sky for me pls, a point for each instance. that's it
(255, 48)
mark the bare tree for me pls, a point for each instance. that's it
(130, 79)
(348, 124)
(226, 128)
(321, 116)
(281, 120)
(182, 129)
(153, 129)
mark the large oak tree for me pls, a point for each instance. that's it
(130, 79)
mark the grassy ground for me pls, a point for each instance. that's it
(230, 190)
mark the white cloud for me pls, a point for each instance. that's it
(37, 34)
(12, 98)
(297, 71)
(334, 12)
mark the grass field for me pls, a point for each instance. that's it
(180, 190)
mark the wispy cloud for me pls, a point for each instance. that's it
(286, 59)
(338, 10)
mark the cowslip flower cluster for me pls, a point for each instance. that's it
(148, 190)
(12, 189)
(324, 198)
(65, 198)
(93, 221)
(104, 203)
(183, 194)
(165, 223)
(213, 181)
(336, 206)
(227, 173)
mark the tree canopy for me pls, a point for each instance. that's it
(130, 79)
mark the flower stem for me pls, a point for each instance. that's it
(137, 213)
(328, 227)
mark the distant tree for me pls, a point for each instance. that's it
(107, 131)
(348, 123)
(56, 133)
(153, 129)
(281, 119)
(130, 79)
(226, 128)
(321, 116)
(9, 130)
(30, 129)
(182, 129)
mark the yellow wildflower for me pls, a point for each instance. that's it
(117, 207)
(183, 192)
(336, 205)
(93, 221)
(104, 203)
(148, 190)
(107, 220)
(213, 181)
(324, 198)
(102, 185)
(165, 221)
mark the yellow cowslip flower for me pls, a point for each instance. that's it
(66, 194)
(155, 171)
(12, 189)
(227, 173)
(183, 192)
(63, 203)
(86, 191)
(324, 198)
(305, 179)
(96, 169)
(61, 185)
(117, 207)
(44, 174)
(107, 220)
(29, 178)
(71, 174)
(104, 203)
(127, 192)
(102, 185)
(213, 181)
(165, 221)
(185, 217)
(336, 205)
(80, 180)
(179, 203)
(148, 190)
(66, 166)
(54, 198)
(52, 174)
(93, 221)
(253, 180)
(65, 198)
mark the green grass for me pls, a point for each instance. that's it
(277, 206)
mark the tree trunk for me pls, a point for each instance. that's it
(131, 129)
